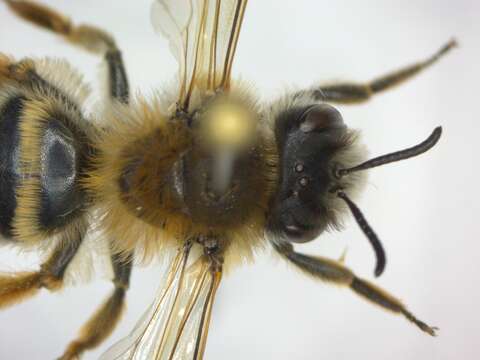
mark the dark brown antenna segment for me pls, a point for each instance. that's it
(369, 233)
(416, 150)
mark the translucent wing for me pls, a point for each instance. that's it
(203, 36)
(175, 327)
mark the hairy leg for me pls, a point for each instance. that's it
(17, 287)
(347, 93)
(334, 272)
(104, 320)
(87, 37)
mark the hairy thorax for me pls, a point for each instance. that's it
(169, 183)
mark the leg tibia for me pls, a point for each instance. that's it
(18, 287)
(335, 272)
(105, 319)
(376, 295)
(346, 93)
(397, 77)
(380, 297)
(99, 327)
(88, 37)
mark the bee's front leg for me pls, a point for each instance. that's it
(347, 93)
(336, 273)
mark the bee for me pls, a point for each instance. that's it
(203, 170)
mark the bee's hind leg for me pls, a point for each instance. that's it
(17, 287)
(5, 62)
(105, 319)
(334, 272)
(349, 93)
(88, 37)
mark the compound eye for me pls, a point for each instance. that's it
(321, 117)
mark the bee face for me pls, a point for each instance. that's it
(309, 139)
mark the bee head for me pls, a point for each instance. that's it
(313, 141)
(320, 166)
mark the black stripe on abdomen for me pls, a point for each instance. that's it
(10, 115)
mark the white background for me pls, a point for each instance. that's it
(425, 210)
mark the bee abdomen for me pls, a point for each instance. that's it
(60, 164)
(44, 148)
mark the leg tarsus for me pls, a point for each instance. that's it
(336, 273)
(40, 15)
(105, 319)
(397, 77)
(18, 287)
(90, 38)
(380, 297)
(431, 330)
(358, 93)
(99, 327)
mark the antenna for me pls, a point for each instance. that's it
(416, 150)
(369, 233)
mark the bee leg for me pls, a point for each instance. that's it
(348, 93)
(87, 37)
(118, 81)
(334, 272)
(15, 71)
(17, 287)
(105, 319)
(5, 62)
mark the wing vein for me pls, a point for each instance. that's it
(206, 315)
(237, 28)
(191, 304)
(178, 290)
(213, 49)
(201, 27)
(180, 260)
